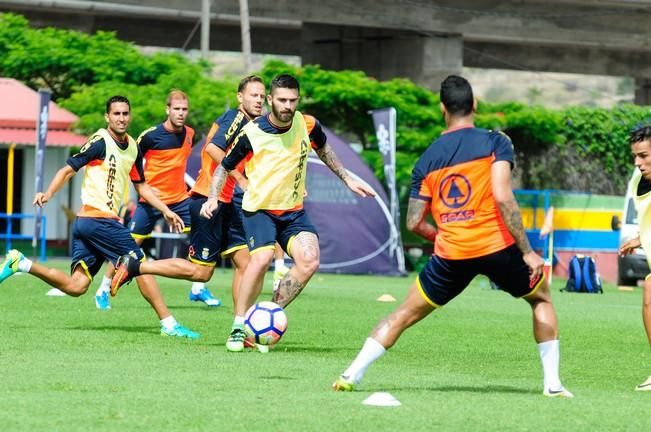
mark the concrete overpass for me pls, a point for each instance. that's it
(420, 39)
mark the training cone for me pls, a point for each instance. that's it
(55, 292)
(386, 298)
(381, 399)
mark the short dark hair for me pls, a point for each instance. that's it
(248, 79)
(285, 81)
(456, 95)
(116, 98)
(639, 134)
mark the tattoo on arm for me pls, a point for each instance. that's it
(416, 213)
(328, 156)
(217, 183)
(510, 212)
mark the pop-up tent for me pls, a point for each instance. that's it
(356, 235)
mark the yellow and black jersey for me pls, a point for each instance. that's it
(276, 160)
(110, 163)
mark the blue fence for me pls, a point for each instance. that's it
(8, 236)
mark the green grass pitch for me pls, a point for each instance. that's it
(64, 366)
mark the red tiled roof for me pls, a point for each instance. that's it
(19, 113)
(56, 138)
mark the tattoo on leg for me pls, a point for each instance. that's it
(308, 244)
(288, 289)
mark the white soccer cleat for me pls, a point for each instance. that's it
(645, 386)
(561, 392)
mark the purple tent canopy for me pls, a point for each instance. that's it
(356, 235)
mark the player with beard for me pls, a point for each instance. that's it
(275, 148)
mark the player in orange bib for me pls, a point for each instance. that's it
(463, 180)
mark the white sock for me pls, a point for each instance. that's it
(168, 322)
(238, 321)
(371, 351)
(24, 265)
(197, 287)
(105, 286)
(550, 358)
(279, 263)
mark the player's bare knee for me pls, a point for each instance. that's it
(203, 273)
(259, 261)
(646, 295)
(540, 296)
(308, 266)
(76, 289)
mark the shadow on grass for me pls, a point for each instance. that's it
(200, 307)
(124, 328)
(299, 348)
(452, 388)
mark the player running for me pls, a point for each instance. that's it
(111, 158)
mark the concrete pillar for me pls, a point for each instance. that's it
(643, 91)
(383, 54)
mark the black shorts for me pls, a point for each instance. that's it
(145, 218)
(234, 237)
(263, 229)
(97, 239)
(442, 279)
(206, 234)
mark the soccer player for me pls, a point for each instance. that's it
(276, 147)
(165, 149)
(111, 158)
(464, 180)
(223, 231)
(640, 188)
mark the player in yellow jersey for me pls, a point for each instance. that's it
(111, 158)
(640, 188)
(276, 147)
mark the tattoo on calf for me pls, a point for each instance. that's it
(288, 289)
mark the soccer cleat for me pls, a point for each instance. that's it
(343, 384)
(561, 392)
(205, 296)
(235, 342)
(179, 331)
(645, 386)
(10, 265)
(102, 301)
(125, 270)
(248, 343)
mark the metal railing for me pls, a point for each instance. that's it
(8, 236)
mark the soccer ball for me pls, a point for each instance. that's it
(265, 322)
